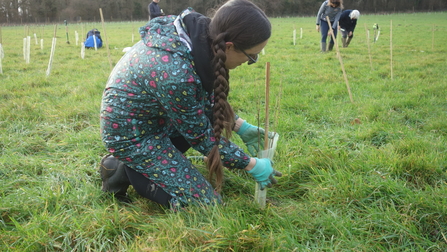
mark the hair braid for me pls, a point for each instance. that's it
(245, 25)
(222, 111)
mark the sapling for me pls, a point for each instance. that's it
(294, 35)
(391, 48)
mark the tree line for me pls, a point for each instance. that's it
(49, 11)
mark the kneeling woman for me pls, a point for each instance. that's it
(169, 93)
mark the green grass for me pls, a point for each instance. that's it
(364, 176)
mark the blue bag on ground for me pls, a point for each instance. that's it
(93, 35)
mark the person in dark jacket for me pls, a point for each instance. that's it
(347, 23)
(333, 10)
(169, 93)
(154, 9)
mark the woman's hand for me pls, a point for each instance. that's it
(251, 135)
(264, 173)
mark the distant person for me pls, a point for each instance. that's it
(93, 39)
(347, 23)
(332, 9)
(154, 9)
(169, 93)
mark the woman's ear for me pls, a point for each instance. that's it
(229, 45)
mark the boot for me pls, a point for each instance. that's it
(323, 46)
(114, 177)
(343, 40)
(331, 45)
(348, 41)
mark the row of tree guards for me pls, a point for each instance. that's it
(27, 45)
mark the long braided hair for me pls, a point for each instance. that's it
(245, 25)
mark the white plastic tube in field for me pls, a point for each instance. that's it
(28, 49)
(261, 195)
(82, 50)
(94, 41)
(76, 37)
(50, 63)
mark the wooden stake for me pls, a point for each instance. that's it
(369, 48)
(339, 58)
(261, 195)
(133, 31)
(391, 48)
(432, 38)
(107, 42)
(294, 36)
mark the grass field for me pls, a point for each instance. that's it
(367, 175)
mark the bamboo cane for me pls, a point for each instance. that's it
(391, 48)
(339, 58)
(107, 42)
(261, 195)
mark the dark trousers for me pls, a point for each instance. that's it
(324, 29)
(145, 187)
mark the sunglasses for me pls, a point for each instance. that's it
(252, 58)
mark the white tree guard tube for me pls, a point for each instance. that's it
(24, 48)
(28, 49)
(82, 50)
(94, 41)
(261, 195)
(53, 47)
(76, 37)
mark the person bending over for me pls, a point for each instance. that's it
(347, 23)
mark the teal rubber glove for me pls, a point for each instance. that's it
(252, 137)
(264, 173)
